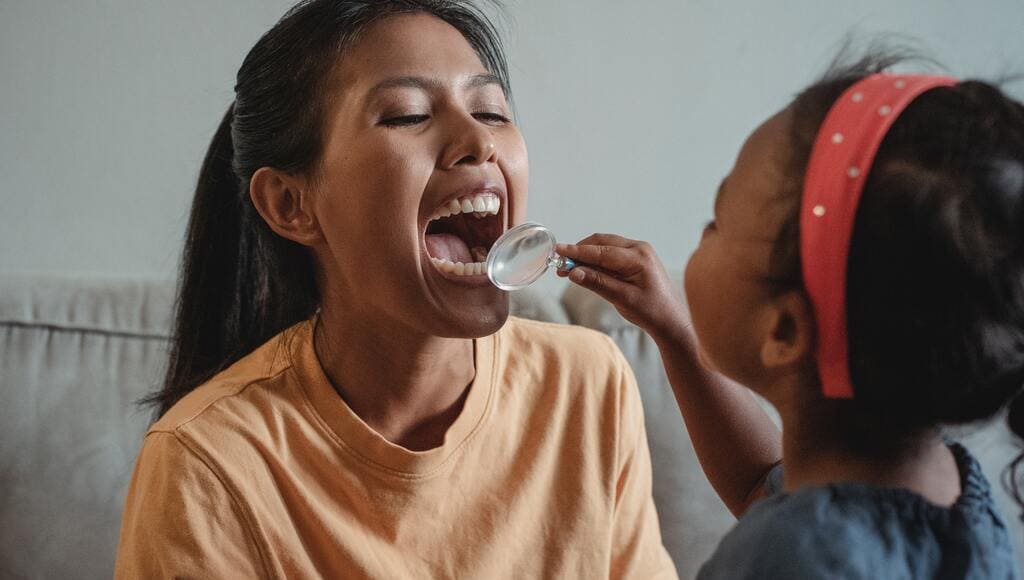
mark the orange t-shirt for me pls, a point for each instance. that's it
(264, 471)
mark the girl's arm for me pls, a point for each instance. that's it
(735, 440)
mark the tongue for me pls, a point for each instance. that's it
(448, 247)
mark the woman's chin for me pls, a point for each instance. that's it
(475, 320)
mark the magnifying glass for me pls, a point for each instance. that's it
(522, 255)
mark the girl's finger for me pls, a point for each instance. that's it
(607, 240)
(604, 285)
(611, 258)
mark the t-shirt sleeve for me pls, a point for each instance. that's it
(637, 549)
(180, 521)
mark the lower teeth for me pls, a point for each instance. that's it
(459, 268)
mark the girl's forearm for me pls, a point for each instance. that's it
(736, 441)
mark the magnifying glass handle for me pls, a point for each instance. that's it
(562, 263)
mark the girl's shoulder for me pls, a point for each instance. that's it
(798, 535)
(853, 530)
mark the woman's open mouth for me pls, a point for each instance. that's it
(462, 231)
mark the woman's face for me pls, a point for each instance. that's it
(422, 170)
(725, 277)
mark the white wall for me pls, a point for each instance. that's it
(633, 110)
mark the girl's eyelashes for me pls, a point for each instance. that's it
(709, 229)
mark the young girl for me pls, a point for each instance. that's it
(865, 273)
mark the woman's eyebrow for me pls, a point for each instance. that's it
(483, 80)
(426, 84)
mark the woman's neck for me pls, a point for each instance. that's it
(406, 386)
(817, 452)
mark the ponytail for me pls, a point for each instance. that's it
(239, 283)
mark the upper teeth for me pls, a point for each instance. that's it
(479, 205)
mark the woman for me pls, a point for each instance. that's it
(347, 396)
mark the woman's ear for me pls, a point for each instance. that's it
(284, 202)
(791, 332)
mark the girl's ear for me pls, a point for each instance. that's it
(284, 202)
(791, 334)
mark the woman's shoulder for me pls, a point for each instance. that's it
(573, 357)
(572, 370)
(235, 395)
(565, 341)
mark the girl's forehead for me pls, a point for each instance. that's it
(764, 153)
(752, 192)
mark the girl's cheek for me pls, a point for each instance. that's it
(690, 276)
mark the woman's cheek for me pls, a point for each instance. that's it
(517, 175)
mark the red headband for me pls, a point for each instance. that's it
(840, 162)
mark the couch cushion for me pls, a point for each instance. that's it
(74, 356)
(135, 306)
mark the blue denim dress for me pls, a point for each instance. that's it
(852, 530)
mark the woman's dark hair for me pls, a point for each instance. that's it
(240, 283)
(935, 297)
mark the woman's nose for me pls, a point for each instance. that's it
(471, 143)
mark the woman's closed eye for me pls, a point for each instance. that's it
(492, 118)
(404, 120)
(488, 117)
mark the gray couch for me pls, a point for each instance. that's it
(76, 353)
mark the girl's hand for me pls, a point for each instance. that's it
(628, 274)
